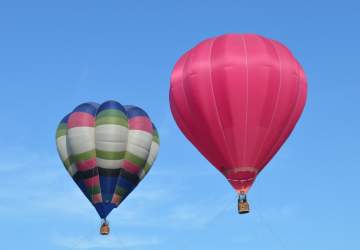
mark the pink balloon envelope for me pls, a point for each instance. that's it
(237, 97)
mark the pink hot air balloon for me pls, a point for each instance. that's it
(237, 98)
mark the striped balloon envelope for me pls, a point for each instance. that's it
(107, 149)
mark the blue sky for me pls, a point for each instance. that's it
(55, 55)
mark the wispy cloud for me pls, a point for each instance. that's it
(111, 241)
(15, 159)
(70, 203)
(153, 194)
(279, 212)
(48, 189)
(175, 214)
(165, 126)
(42, 183)
(200, 214)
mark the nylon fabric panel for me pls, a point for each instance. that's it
(229, 80)
(187, 119)
(64, 155)
(111, 140)
(81, 145)
(61, 144)
(294, 115)
(287, 99)
(154, 149)
(136, 153)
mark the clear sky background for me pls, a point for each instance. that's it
(57, 54)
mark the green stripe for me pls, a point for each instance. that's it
(156, 139)
(109, 155)
(82, 157)
(62, 126)
(111, 112)
(134, 159)
(112, 120)
(61, 130)
(94, 190)
(147, 167)
(67, 163)
(121, 191)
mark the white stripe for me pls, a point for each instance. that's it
(139, 143)
(142, 174)
(81, 139)
(111, 133)
(138, 151)
(63, 152)
(140, 138)
(109, 164)
(153, 153)
(62, 148)
(111, 146)
(72, 169)
(151, 158)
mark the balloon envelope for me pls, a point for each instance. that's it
(107, 149)
(237, 98)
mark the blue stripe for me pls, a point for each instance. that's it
(107, 197)
(154, 128)
(95, 104)
(82, 187)
(133, 111)
(100, 210)
(125, 184)
(89, 107)
(106, 209)
(107, 184)
(65, 119)
(111, 105)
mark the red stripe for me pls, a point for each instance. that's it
(81, 119)
(116, 199)
(91, 182)
(96, 198)
(86, 165)
(130, 167)
(141, 123)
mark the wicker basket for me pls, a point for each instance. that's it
(104, 229)
(243, 207)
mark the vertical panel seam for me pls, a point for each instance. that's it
(216, 108)
(292, 112)
(276, 104)
(247, 99)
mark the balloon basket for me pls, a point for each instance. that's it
(243, 205)
(104, 229)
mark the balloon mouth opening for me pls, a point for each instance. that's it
(241, 181)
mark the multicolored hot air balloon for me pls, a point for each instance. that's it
(107, 149)
(237, 98)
